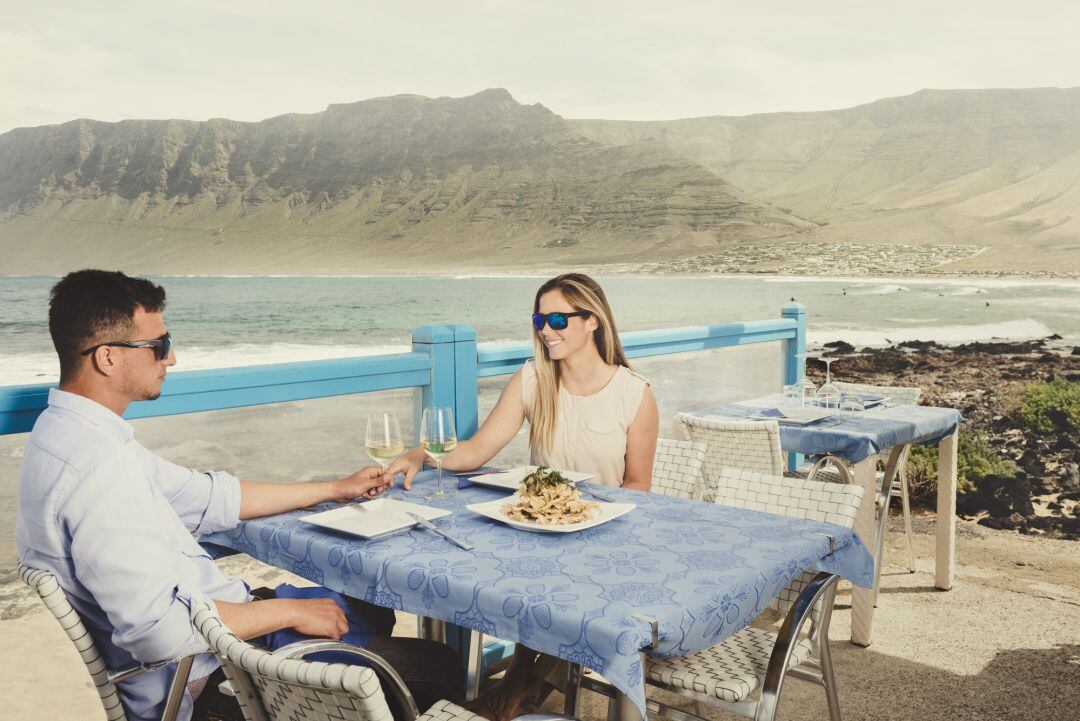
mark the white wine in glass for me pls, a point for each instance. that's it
(438, 439)
(383, 442)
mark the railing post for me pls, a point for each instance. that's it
(795, 349)
(452, 349)
(795, 359)
(436, 341)
(466, 375)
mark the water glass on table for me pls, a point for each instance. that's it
(438, 439)
(792, 395)
(851, 402)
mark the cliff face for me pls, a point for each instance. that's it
(402, 180)
(997, 168)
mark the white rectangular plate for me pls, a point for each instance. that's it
(511, 480)
(604, 513)
(797, 416)
(379, 517)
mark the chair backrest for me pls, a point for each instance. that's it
(677, 468)
(274, 688)
(813, 500)
(900, 395)
(749, 445)
(48, 588)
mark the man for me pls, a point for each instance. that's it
(114, 521)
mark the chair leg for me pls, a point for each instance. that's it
(829, 679)
(905, 500)
(879, 546)
(884, 497)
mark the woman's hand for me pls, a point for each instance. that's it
(409, 464)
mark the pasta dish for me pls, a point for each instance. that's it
(548, 498)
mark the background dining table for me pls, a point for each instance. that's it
(702, 571)
(858, 437)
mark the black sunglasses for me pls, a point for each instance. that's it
(557, 321)
(162, 346)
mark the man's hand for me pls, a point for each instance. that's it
(319, 617)
(367, 483)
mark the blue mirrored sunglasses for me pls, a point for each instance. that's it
(557, 321)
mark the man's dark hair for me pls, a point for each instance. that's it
(88, 307)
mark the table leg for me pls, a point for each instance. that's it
(945, 552)
(862, 599)
(432, 629)
(572, 702)
(623, 709)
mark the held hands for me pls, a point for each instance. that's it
(366, 483)
(409, 464)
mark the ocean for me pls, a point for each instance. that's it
(231, 321)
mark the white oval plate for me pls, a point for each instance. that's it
(604, 513)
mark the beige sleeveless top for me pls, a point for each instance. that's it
(590, 432)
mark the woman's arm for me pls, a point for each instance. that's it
(641, 444)
(498, 430)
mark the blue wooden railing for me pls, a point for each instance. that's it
(445, 364)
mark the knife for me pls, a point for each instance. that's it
(483, 472)
(435, 529)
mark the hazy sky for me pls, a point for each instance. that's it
(115, 59)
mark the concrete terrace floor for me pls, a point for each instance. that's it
(1003, 644)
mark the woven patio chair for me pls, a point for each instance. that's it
(281, 686)
(677, 468)
(756, 660)
(104, 679)
(751, 445)
(902, 396)
(745, 673)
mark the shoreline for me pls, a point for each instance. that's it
(998, 279)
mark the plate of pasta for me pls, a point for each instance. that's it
(547, 501)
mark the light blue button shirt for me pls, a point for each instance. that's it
(114, 523)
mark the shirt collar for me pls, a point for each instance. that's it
(93, 411)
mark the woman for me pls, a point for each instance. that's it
(587, 412)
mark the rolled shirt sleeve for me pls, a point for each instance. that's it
(130, 567)
(205, 501)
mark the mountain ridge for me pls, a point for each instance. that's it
(409, 182)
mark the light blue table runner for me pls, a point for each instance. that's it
(852, 435)
(704, 571)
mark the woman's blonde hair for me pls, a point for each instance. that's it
(583, 293)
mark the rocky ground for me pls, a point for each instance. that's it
(984, 382)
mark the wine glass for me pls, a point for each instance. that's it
(383, 442)
(805, 385)
(438, 439)
(828, 395)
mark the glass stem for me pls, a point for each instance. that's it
(438, 475)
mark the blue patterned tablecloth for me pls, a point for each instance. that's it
(703, 570)
(852, 435)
